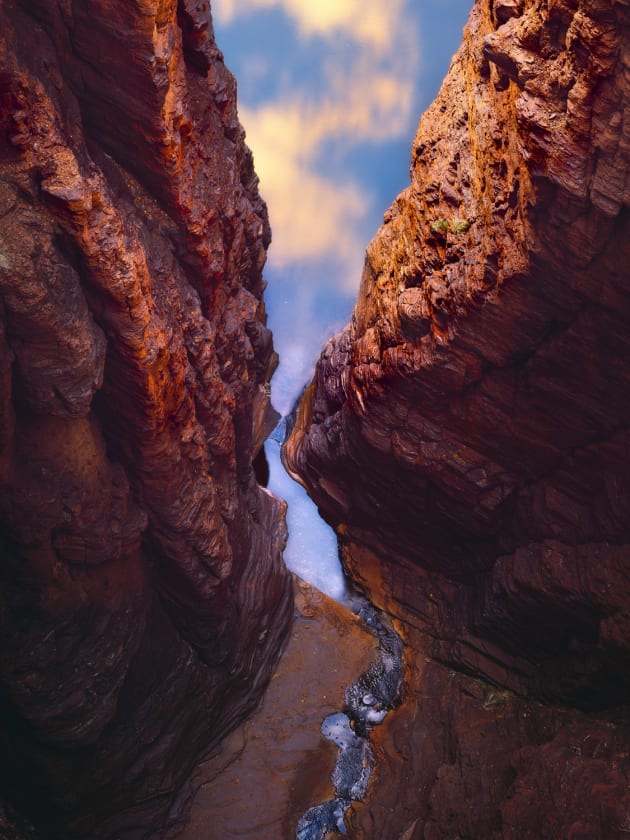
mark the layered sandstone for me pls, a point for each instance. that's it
(469, 432)
(144, 599)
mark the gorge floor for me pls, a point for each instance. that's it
(275, 766)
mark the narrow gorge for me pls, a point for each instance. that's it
(467, 435)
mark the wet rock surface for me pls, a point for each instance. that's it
(144, 599)
(366, 703)
(379, 688)
(322, 820)
(265, 776)
(355, 760)
(467, 433)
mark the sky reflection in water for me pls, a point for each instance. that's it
(329, 94)
(311, 551)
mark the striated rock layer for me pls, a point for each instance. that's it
(144, 600)
(469, 432)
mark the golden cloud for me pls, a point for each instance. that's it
(369, 21)
(364, 95)
(313, 216)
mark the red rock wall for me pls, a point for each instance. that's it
(144, 599)
(468, 432)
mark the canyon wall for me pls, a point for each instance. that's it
(468, 434)
(144, 600)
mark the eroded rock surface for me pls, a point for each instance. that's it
(469, 432)
(144, 600)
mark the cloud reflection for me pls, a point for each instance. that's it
(312, 551)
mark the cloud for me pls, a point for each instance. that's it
(369, 21)
(358, 89)
(305, 312)
(313, 215)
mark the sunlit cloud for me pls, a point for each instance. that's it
(313, 216)
(358, 91)
(365, 20)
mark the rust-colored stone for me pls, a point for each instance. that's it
(144, 599)
(468, 432)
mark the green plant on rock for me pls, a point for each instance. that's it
(443, 225)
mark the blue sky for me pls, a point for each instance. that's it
(330, 93)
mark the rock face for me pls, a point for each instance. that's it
(144, 600)
(469, 432)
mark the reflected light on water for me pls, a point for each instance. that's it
(311, 551)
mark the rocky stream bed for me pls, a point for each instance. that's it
(366, 703)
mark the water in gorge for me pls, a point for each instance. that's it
(331, 155)
(311, 551)
(366, 704)
(331, 151)
(312, 554)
